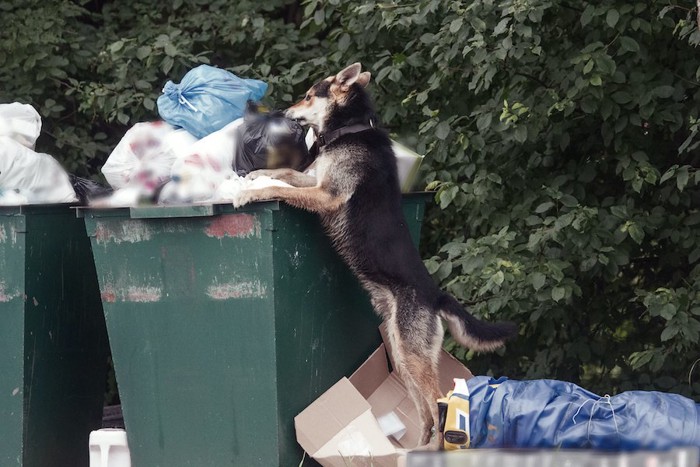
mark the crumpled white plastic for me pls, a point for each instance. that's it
(33, 177)
(21, 122)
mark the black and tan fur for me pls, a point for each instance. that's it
(356, 193)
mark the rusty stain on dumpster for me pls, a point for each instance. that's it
(146, 294)
(234, 225)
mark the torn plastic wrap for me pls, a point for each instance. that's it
(207, 99)
(88, 190)
(269, 141)
(556, 414)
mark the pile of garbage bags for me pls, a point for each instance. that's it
(212, 134)
(484, 412)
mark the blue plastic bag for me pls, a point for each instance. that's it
(207, 99)
(556, 414)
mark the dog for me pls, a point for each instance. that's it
(356, 193)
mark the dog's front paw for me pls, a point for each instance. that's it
(241, 198)
(260, 173)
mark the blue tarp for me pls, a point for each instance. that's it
(551, 414)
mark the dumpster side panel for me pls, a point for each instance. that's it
(65, 342)
(189, 310)
(325, 324)
(12, 389)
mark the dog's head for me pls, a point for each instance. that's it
(328, 96)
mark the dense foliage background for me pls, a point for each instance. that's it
(562, 137)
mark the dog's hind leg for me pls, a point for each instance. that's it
(416, 335)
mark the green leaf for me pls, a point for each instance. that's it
(537, 279)
(612, 17)
(619, 211)
(668, 311)
(569, 201)
(639, 359)
(682, 177)
(692, 219)
(622, 97)
(694, 256)
(447, 195)
(427, 38)
(456, 25)
(442, 130)
(627, 44)
(498, 278)
(319, 16)
(501, 26)
(636, 233)
(170, 50)
(116, 46)
(544, 207)
(143, 52)
(664, 91)
(587, 15)
(483, 122)
(669, 333)
(669, 173)
(167, 64)
(558, 293)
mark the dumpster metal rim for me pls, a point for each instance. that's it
(23, 209)
(200, 209)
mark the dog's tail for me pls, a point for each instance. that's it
(471, 332)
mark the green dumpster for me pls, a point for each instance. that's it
(224, 325)
(53, 341)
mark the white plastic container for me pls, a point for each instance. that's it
(109, 448)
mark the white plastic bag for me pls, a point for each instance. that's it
(12, 198)
(196, 175)
(145, 155)
(39, 178)
(21, 122)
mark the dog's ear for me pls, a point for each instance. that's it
(363, 79)
(348, 76)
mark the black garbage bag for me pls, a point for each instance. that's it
(88, 190)
(269, 140)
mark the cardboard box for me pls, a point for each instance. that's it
(369, 418)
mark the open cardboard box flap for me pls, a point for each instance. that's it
(369, 418)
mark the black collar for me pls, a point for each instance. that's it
(327, 138)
